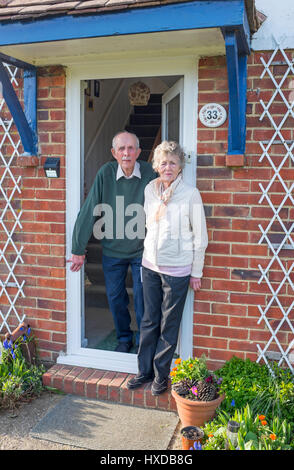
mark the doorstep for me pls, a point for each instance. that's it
(105, 385)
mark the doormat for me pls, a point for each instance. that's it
(93, 424)
(109, 343)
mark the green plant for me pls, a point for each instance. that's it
(192, 379)
(256, 432)
(18, 379)
(245, 381)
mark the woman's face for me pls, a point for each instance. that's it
(169, 167)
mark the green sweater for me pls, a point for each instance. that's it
(110, 223)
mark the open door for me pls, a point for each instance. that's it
(172, 113)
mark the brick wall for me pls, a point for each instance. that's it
(226, 311)
(42, 201)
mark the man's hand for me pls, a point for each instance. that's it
(195, 283)
(77, 262)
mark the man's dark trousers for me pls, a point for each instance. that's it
(115, 273)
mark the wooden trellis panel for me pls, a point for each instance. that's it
(10, 254)
(286, 228)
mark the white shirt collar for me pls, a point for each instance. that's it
(136, 172)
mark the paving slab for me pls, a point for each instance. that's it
(102, 425)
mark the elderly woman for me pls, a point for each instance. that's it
(173, 259)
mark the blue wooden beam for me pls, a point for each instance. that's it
(237, 81)
(25, 126)
(171, 17)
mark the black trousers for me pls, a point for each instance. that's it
(164, 300)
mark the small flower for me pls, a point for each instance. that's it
(233, 402)
(194, 391)
(264, 422)
(5, 344)
(178, 361)
(273, 437)
(261, 417)
(197, 446)
(210, 434)
(173, 372)
(13, 355)
(174, 368)
(190, 365)
(29, 330)
(219, 381)
(24, 337)
(208, 379)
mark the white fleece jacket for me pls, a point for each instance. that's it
(180, 236)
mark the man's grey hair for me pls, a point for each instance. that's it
(125, 132)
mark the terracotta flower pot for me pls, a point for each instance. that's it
(187, 442)
(195, 413)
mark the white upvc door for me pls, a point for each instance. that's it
(172, 113)
(77, 353)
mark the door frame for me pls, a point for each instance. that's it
(124, 68)
(176, 89)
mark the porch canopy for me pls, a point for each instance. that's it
(42, 32)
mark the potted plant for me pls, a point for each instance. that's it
(196, 391)
(190, 435)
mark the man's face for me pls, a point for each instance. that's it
(126, 152)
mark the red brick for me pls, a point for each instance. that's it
(91, 383)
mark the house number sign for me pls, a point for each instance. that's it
(212, 115)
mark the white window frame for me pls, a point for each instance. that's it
(124, 68)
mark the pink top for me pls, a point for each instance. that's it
(177, 271)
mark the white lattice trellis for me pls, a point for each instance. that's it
(286, 241)
(10, 255)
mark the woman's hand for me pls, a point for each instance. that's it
(77, 262)
(195, 283)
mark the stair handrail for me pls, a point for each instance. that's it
(105, 117)
(155, 143)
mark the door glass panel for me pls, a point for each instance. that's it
(173, 119)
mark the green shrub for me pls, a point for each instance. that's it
(245, 381)
(18, 379)
(256, 432)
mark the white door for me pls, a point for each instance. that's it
(77, 353)
(172, 113)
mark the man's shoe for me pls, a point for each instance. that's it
(159, 387)
(123, 347)
(138, 380)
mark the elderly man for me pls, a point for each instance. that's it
(117, 192)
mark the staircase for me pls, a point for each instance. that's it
(145, 122)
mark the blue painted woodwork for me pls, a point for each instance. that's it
(171, 17)
(27, 135)
(229, 15)
(237, 81)
(30, 101)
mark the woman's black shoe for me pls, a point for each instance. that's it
(138, 380)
